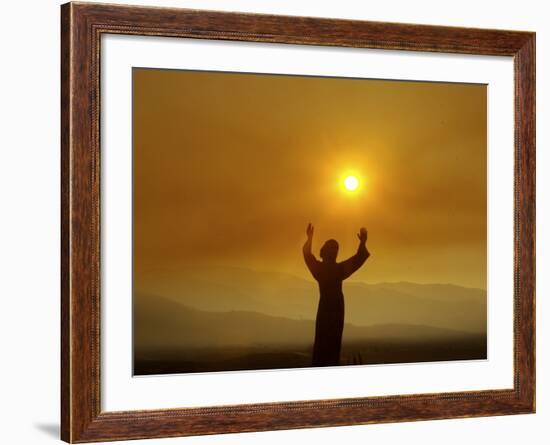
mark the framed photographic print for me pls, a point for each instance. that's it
(274, 222)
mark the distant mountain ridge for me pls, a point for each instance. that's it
(222, 289)
(161, 323)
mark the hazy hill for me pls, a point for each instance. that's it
(282, 295)
(161, 323)
(170, 337)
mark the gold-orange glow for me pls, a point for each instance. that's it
(229, 169)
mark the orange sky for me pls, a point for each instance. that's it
(230, 168)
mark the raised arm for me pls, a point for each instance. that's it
(349, 266)
(311, 262)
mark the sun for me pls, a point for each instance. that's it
(351, 183)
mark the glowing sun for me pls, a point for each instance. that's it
(351, 183)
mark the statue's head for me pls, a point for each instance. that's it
(329, 251)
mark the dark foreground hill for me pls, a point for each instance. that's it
(170, 337)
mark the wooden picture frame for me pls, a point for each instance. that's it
(82, 25)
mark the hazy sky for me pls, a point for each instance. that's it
(230, 168)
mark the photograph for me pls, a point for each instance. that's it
(291, 221)
(284, 218)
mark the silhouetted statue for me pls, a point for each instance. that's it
(330, 313)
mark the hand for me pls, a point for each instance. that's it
(362, 235)
(309, 231)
